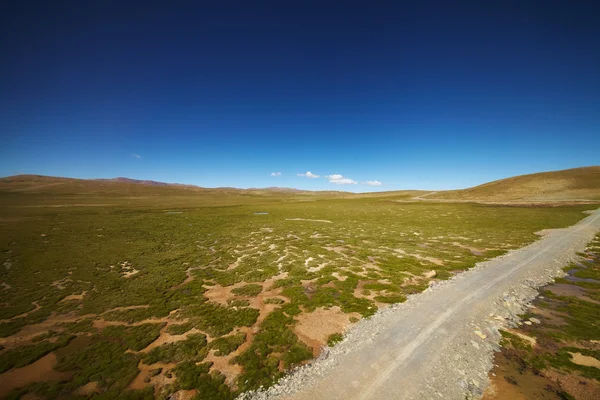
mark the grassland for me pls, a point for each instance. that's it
(557, 355)
(134, 291)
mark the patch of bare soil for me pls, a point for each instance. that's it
(60, 284)
(311, 220)
(158, 381)
(71, 297)
(513, 383)
(337, 249)
(221, 364)
(577, 386)
(165, 338)
(339, 277)
(474, 250)
(87, 389)
(586, 361)
(222, 294)
(102, 323)
(235, 264)
(530, 339)
(419, 257)
(314, 328)
(183, 395)
(40, 371)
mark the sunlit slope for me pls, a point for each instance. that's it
(568, 184)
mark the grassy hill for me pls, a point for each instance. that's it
(568, 184)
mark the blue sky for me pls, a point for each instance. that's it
(427, 96)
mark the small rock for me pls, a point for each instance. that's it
(535, 320)
(481, 335)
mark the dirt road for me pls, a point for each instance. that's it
(439, 344)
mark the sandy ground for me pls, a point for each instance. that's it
(39, 371)
(587, 361)
(314, 328)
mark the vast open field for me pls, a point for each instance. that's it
(134, 291)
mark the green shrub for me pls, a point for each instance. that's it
(251, 290)
(226, 344)
(334, 338)
(193, 348)
(134, 337)
(179, 329)
(209, 385)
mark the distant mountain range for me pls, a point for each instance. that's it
(570, 184)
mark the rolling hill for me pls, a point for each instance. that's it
(569, 184)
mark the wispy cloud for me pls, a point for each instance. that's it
(374, 183)
(340, 180)
(309, 174)
(136, 156)
(275, 173)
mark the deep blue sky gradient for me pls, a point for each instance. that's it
(434, 95)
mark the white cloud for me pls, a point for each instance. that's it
(373, 183)
(340, 180)
(309, 174)
(275, 173)
(136, 156)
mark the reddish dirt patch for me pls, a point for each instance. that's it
(339, 277)
(314, 328)
(511, 383)
(221, 364)
(87, 389)
(587, 361)
(579, 387)
(40, 371)
(165, 338)
(74, 297)
(183, 395)
(157, 381)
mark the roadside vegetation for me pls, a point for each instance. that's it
(138, 295)
(555, 353)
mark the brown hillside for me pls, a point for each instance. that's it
(569, 184)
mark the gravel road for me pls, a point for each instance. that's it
(439, 343)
